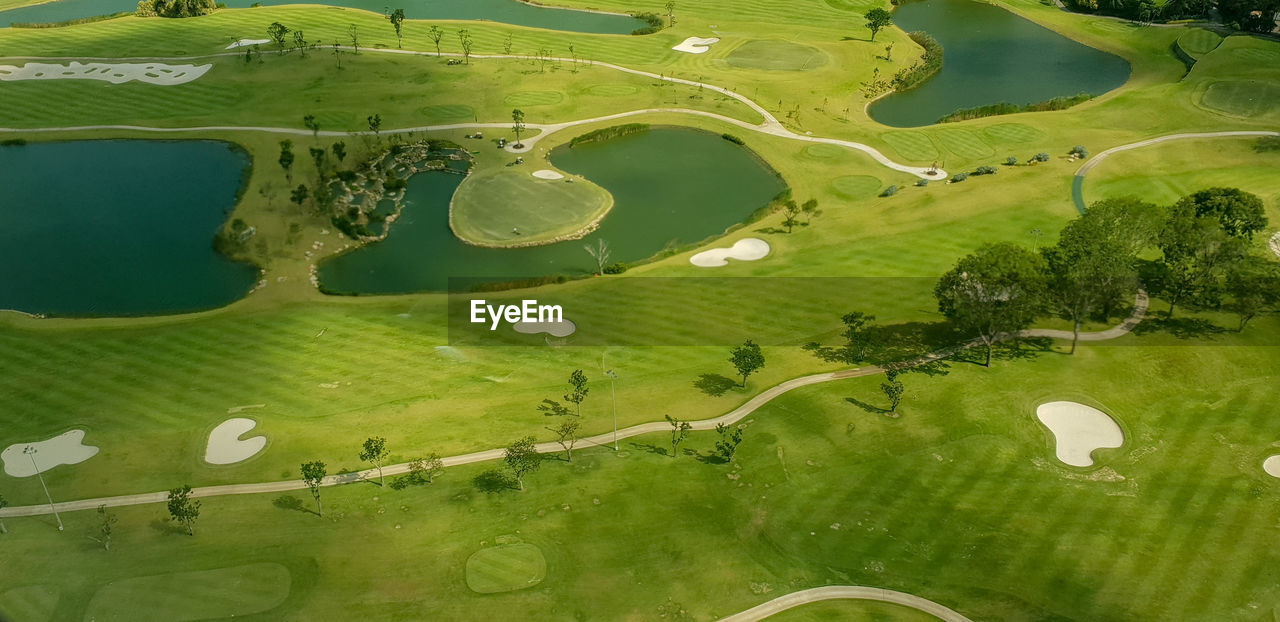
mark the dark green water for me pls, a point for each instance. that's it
(118, 227)
(505, 11)
(990, 56)
(670, 187)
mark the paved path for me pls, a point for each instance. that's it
(845, 592)
(770, 125)
(1077, 190)
(606, 439)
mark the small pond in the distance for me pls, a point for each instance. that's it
(670, 186)
(991, 55)
(118, 227)
(504, 11)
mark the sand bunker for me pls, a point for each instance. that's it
(1274, 243)
(1272, 466)
(547, 174)
(68, 448)
(696, 45)
(115, 73)
(555, 329)
(1078, 430)
(746, 249)
(225, 446)
(247, 42)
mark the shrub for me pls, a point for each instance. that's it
(990, 110)
(609, 132)
(985, 170)
(1079, 151)
(922, 182)
(1011, 161)
(615, 268)
(13, 142)
(733, 139)
(929, 64)
(1264, 144)
(653, 20)
(890, 191)
(959, 177)
(1041, 157)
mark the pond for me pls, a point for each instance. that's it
(668, 186)
(118, 227)
(505, 11)
(990, 56)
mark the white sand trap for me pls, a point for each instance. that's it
(547, 174)
(225, 446)
(115, 73)
(247, 42)
(555, 329)
(1078, 430)
(696, 45)
(1274, 243)
(1272, 466)
(68, 448)
(746, 249)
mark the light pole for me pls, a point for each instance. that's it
(614, 397)
(30, 450)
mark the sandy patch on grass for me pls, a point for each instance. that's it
(1274, 243)
(66, 448)
(548, 174)
(746, 249)
(696, 45)
(1078, 430)
(247, 42)
(115, 73)
(563, 328)
(1272, 466)
(225, 446)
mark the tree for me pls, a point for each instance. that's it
(1239, 213)
(878, 19)
(577, 389)
(810, 209)
(300, 42)
(671, 13)
(599, 252)
(318, 156)
(375, 125)
(506, 44)
(522, 458)
(354, 34)
(427, 469)
(789, 212)
(340, 151)
(517, 121)
(888, 52)
(730, 438)
(1196, 254)
(375, 451)
(106, 525)
(4, 503)
(313, 474)
(337, 54)
(286, 159)
(992, 293)
(278, 32)
(310, 122)
(435, 34)
(397, 22)
(299, 195)
(679, 432)
(464, 39)
(858, 334)
(747, 359)
(567, 436)
(893, 389)
(1254, 286)
(184, 509)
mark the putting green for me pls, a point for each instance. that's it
(611, 90)
(448, 112)
(1012, 133)
(533, 98)
(199, 595)
(823, 151)
(506, 568)
(33, 603)
(508, 206)
(851, 5)
(1242, 98)
(776, 55)
(1198, 42)
(1257, 55)
(964, 143)
(912, 145)
(856, 186)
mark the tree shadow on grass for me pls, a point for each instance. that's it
(290, 502)
(493, 481)
(1180, 327)
(871, 408)
(552, 408)
(651, 448)
(709, 457)
(166, 526)
(714, 385)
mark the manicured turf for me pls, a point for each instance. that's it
(852, 611)
(911, 145)
(535, 98)
(506, 568)
(507, 205)
(1243, 98)
(964, 143)
(197, 595)
(1013, 133)
(1197, 42)
(774, 55)
(856, 187)
(33, 603)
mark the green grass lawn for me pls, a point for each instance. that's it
(503, 205)
(1197, 42)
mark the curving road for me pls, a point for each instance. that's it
(845, 592)
(770, 125)
(608, 438)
